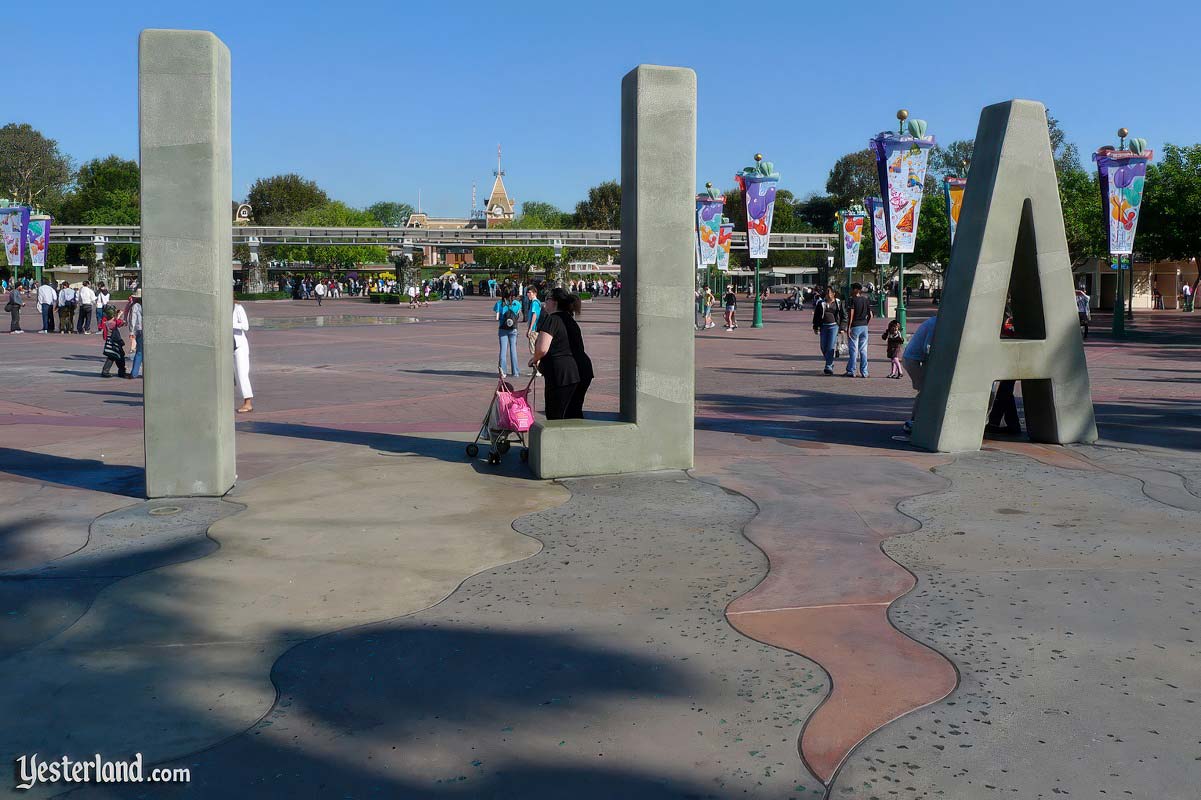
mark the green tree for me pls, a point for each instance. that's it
(602, 209)
(536, 215)
(33, 171)
(280, 199)
(389, 214)
(1167, 225)
(107, 191)
(333, 215)
(1083, 220)
(951, 159)
(817, 212)
(853, 178)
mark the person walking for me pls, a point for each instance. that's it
(114, 343)
(859, 315)
(507, 310)
(319, 291)
(47, 302)
(102, 301)
(917, 353)
(15, 300)
(730, 301)
(895, 337)
(707, 302)
(829, 314)
(66, 308)
(242, 358)
(135, 330)
(1083, 309)
(1186, 292)
(534, 307)
(411, 291)
(553, 356)
(87, 305)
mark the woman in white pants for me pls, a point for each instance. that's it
(242, 358)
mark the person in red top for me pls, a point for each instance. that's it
(114, 351)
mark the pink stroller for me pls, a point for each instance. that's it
(509, 418)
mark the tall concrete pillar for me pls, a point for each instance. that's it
(184, 104)
(658, 177)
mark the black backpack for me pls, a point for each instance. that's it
(508, 319)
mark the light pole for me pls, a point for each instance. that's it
(758, 184)
(902, 115)
(1119, 295)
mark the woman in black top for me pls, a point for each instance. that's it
(554, 357)
(568, 306)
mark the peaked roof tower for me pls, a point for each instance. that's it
(500, 207)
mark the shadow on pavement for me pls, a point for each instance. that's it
(82, 473)
(399, 709)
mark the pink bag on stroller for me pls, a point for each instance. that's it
(513, 410)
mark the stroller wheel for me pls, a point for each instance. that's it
(525, 454)
(502, 447)
(473, 450)
(493, 458)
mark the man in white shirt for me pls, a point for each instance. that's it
(87, 304)
(319, 291)
(412, 293)
(47, 302)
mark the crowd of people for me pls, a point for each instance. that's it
(543, 318)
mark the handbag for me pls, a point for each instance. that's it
(513, 410)
(841, 349)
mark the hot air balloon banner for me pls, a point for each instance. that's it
(850, 224)
(1122, 175)
(758, 185)
(875, 207)
(708, 225)
(725, 237)
(13, 223)
(37, 238)
(952, 189)
(901, 163)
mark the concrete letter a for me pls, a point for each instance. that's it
(1010, 239)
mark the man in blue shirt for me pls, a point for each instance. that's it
(534, 314)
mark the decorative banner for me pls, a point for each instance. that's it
(1122, 174)
(850, 224)
(952, 189)
(708, 221)
(38, 239)
(901, 162)
(13, 223)
(758, 185)
(879, 231)
(725, 237)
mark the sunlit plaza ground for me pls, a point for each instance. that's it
(817, 608)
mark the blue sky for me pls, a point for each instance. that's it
(376, 100)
